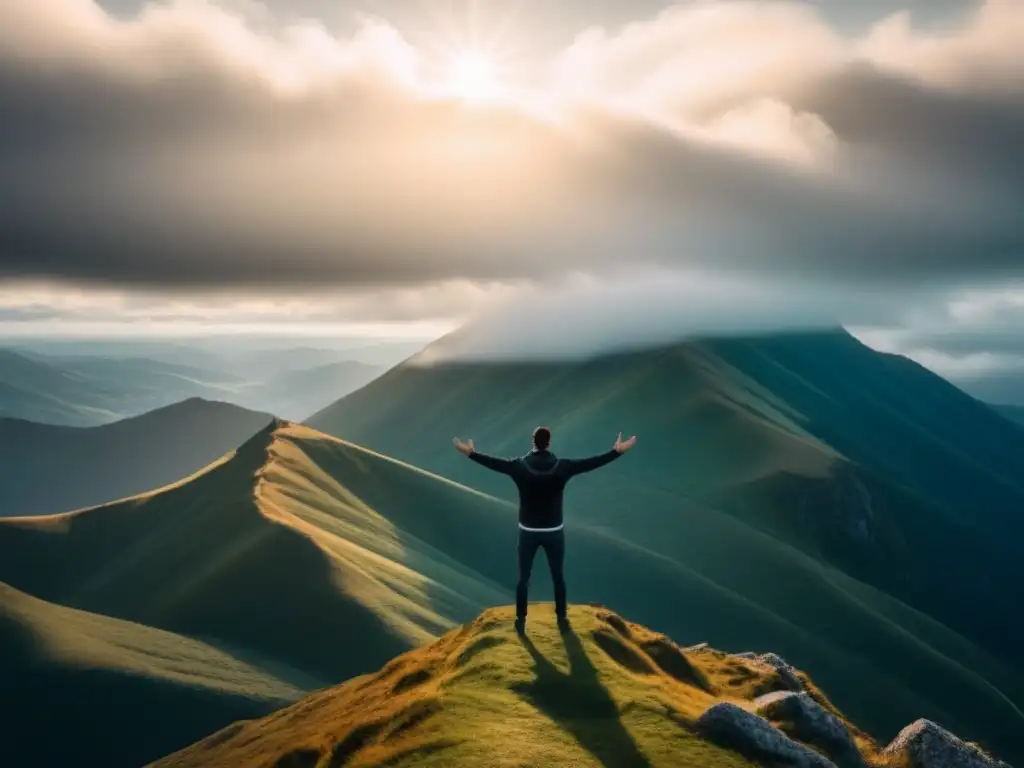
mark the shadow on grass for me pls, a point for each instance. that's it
(579, 703)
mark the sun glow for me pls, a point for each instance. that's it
(474, 77)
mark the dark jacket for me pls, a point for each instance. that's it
(540, 477)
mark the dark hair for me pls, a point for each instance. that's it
(541, 438)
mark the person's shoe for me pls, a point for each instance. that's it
(564, 625)
(520, 627)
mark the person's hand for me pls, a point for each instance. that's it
(622, 446)
(464, 448)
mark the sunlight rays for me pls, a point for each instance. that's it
(469, 52)
(473, 77)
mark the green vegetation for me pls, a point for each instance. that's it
(867, 462)
(103, 682)
(609, 693)
(314, 555)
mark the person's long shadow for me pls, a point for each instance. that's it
(580, 704)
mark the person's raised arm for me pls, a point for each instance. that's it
(579, 466)
(468, 450)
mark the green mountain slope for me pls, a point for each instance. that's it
(86, 672)
(860, 459)
(309, 552)
(46, 469)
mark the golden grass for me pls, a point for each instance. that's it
(610, 693)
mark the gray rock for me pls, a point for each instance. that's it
(697, 647)
(773, 659)
(928, 745)
(812, 724)
(749, 655)
(734, 728)
(786, 672)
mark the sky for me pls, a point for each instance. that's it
(624, 172)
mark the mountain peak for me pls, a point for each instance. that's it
(606, 693)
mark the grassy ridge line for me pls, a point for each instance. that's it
(48, 469)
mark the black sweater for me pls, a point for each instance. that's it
(540, 477)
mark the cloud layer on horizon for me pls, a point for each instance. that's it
(195, 148)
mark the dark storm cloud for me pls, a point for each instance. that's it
(171, 154)
(968, 134)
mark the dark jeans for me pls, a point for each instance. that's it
(553, 544)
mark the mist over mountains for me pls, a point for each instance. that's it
(83, 383)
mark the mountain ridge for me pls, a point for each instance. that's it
(47, 468)
(858, 458)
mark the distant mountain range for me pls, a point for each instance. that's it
(239, 351)
(866, 461)
(46, 469)
(87, 390)
(301, 560)
(297, 393)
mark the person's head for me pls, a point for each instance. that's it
(541, 438)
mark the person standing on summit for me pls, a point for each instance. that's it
(540, 477)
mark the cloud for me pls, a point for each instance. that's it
(197, 148)
(975, 322)
(583, 316)
(41, 309)
(972, 338)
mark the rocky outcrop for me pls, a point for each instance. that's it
(786, 672)
(788, 675)
(812, 724)
(731, 726)
(927, 745)
(922, 744)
